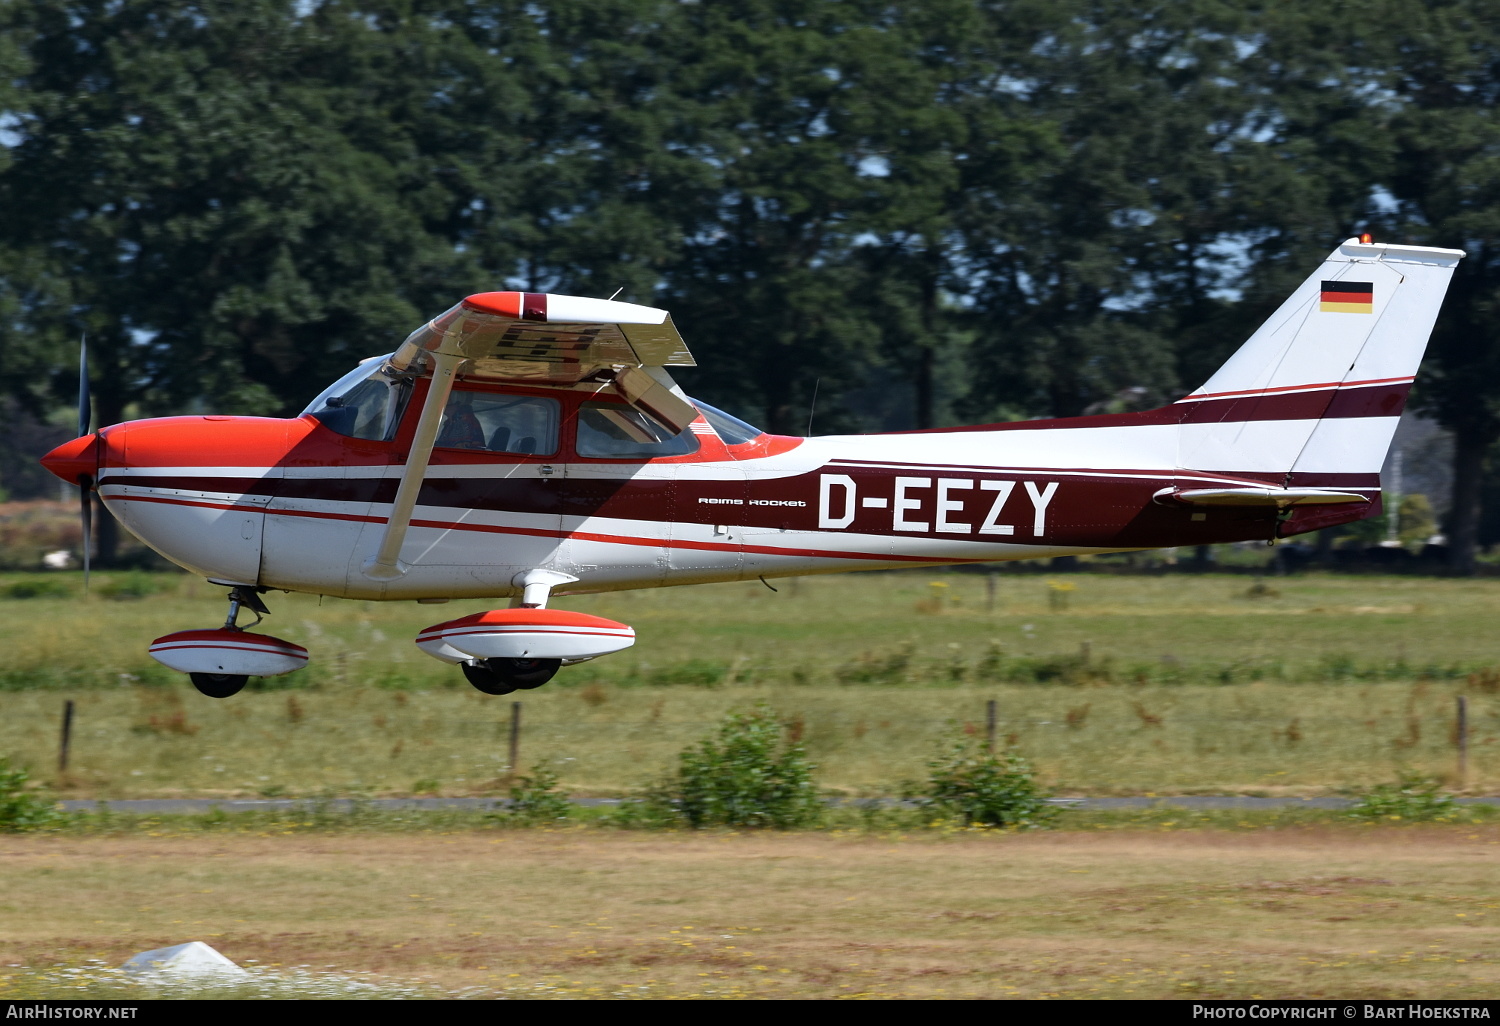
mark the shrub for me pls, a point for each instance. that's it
(1413, 798)
(28, 588)
(966, 782)
(19, 809)
(536, 799)
(699, 673)
(748, 773)
(882, 667)
(133, 585)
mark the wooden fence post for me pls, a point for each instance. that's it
(989, 725)
(515, 736)
(67, 737)
(1463, 741)
(989, 592)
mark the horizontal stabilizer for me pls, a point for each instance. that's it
(1267, 496)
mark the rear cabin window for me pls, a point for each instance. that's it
(614, 431)
(523, 425)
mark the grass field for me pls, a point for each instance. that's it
(910, 627)
(1301, 912)
(1118, 684)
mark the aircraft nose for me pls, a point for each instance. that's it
(72, 459)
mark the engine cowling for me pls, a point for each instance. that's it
(525, 634)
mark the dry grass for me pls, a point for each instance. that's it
(605, 739)
(1335, 912)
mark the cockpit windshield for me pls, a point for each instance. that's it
(731, 429)
(365, 403)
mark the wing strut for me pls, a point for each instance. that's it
(386, 564)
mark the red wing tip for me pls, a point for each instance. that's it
(526, 306)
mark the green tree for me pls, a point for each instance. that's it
(1099, 248)
(1384, 118)
(200, 204)
(774, 99)
(204, 191)
(1444, 82)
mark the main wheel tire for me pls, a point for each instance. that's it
(524, 674)
(486, 680)
(218, 685)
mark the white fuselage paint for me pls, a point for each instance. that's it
(319, 545)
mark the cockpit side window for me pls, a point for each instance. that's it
(616, 431)
(365, 403)
(525, 425)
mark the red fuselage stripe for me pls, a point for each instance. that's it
(445, 635)
(230, 648)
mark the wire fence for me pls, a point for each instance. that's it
(1087, 744)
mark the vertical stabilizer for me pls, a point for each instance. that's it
(1315, 394)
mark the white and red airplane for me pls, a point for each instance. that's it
(524, 445)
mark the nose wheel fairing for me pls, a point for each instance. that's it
(505, 650)
(525, 634)
(220, 660)
(228, 650)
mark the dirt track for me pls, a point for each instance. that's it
(1334, 911)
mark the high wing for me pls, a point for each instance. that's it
(535, 338)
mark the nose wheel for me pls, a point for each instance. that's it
(502, 676)
(218, 685)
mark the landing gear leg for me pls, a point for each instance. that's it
(223, 685)
(247, 598)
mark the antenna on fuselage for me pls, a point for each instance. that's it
(618, 291)
(812, 407)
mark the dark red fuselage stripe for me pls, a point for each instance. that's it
(1379, 399)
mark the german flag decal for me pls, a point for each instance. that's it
(1348, 297)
